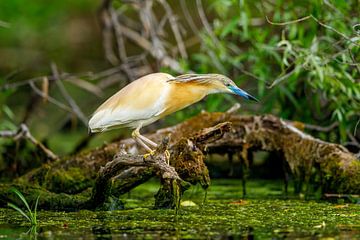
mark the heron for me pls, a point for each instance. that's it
(155, 96)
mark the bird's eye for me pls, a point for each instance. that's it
(227, 84)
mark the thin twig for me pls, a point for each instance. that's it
(175, 28)
(321, 128)
(334, 30)
(107, 27)
(67, 96)
(353, 139)
(354, 61)
(210, 32)
(145, 44)
(105, 73)
(282, 78)
(205, 22)
(189, 19)
(316, 20)
(23, 83)
(86, 85)
(234, 108)
(49, 98)
(287, 23)
(24, 133)
(356, 126)
(118, 35)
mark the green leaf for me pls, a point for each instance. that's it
(35, 210)
(229, 27)
(22, 198)
(19, 210)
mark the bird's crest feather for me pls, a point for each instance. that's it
(200, 78)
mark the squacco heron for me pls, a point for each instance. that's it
(155, 96)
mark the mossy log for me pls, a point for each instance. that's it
(338, 168)
(129, 170)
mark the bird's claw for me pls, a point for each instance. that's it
(151, 153)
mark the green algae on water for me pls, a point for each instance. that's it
(263, 215)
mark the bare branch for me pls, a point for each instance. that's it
(353, 139)
(205, 22)
(282, 78)
(24, 133)
(175, 28)
(234, 108)
(316, 20)
(45, 89)
(67, 96)
(145, 44)
(189, 18)
(107, 28)
(118, 34)
(92, 88)
(334, 30)
(49, 98)
(287, 23)
(321, 128)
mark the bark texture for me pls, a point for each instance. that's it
(188, 142)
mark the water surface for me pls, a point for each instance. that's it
(264, 214)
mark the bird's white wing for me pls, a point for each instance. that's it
(123, 117)
(139, 103)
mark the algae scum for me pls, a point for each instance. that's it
(263, 215)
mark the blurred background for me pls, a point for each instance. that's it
(61, 60)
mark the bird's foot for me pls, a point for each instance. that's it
(151, 153)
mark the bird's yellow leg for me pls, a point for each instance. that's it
(167, 155)
(143, 140)
(135, 134)
(148, 141)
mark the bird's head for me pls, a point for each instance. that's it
(216, 83)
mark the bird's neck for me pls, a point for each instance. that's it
(200, 89)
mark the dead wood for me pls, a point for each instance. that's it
(23, 132)
(156, 163)
(186, 163)
(339, 169)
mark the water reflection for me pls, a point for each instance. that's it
(102, 232)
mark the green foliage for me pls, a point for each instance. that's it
(312, 64)
(305, 70)
(31, 215)
(39, 33)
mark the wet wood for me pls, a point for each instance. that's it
(188, 143)
(186, 166)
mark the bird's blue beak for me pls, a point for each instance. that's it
(242, 93)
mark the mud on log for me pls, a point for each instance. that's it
(74, 176)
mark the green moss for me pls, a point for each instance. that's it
(263, 215)
(72, 180)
